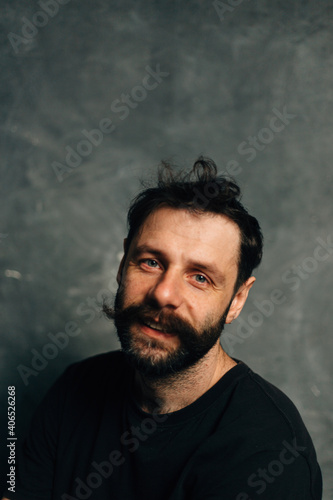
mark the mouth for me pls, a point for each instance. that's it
(154, 329)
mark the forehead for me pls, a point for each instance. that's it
(191, 235)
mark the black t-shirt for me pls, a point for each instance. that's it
(242, 440)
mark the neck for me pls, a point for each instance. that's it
(174, 393)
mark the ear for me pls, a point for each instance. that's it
(239, 300)
(122, 262)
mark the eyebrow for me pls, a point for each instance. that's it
(210, 268)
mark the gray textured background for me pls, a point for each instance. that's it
(60, 242)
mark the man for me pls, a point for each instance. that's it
(171, 416)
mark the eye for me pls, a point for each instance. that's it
(200, 278)
(150, 262)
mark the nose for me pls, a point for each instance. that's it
(167, 291)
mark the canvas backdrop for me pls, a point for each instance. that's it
(93, 96)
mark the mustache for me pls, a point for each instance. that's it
(143, 313)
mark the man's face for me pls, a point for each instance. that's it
(176, 289)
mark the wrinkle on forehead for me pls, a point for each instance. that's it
(205, 229)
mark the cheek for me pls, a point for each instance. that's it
(199, 310)
(134, 288)
(209, 311)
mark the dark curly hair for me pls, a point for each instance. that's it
(201, 190)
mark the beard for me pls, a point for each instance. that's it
(151, 357)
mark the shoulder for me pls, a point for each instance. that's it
(259, 431)
(82, 390)
(266, 405)
(264, 413)
(263, 420)
(89, 379)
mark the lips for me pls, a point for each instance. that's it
(154, 329)
(154, 326)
